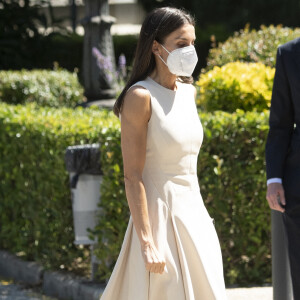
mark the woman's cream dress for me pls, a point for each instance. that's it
(182, 229)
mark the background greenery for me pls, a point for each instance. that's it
(232, 164)
(236, 85)
(57, 88)
(233, 14)
(22, 46)
(35, 207)
(19, 35)
(35, 210)
(252, 46)
(217, 20)
(239, 72)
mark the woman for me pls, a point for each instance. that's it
(170, 250)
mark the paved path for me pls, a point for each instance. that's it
(256, 293)
(11, 291)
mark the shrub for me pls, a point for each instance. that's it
(252, 46)
(47, 88)
(232, 180)
(237, 85)
(231, 171)
(35, 208)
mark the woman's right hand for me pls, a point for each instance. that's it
(154, 262)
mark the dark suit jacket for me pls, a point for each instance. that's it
(283, 143)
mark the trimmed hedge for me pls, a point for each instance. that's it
(231, 173)
(233, 184)
(35, 207)
(47, 88)
(69, 50)
(252, 46)
(237, 85)
(64, 49)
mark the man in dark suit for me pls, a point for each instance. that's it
(283, 151)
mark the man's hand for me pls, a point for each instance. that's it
(275, 196)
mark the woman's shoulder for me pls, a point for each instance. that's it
(136, 93)
(136, 101)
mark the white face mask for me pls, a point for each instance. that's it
(181, 61)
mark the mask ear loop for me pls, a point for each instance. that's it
(161, 57)
(162, 60)
(164, 48)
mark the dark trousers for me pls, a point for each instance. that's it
(291, 219)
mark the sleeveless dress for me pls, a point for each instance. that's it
(182, 229)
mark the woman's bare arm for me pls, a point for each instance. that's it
(135, 114)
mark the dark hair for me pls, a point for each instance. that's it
(158, 24)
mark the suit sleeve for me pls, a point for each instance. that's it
(281, 120)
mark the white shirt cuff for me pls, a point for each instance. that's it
(273, 180)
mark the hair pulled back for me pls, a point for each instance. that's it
(158, 24)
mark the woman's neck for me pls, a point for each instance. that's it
(167, 81)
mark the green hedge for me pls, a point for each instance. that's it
(236, 85)
(35, 206)
(69, 50)
(232, 180)
(233, 184)
(252, 46)
(47, 88)
(64, 49)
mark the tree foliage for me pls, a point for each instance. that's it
(22, 27)
(234, 14)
